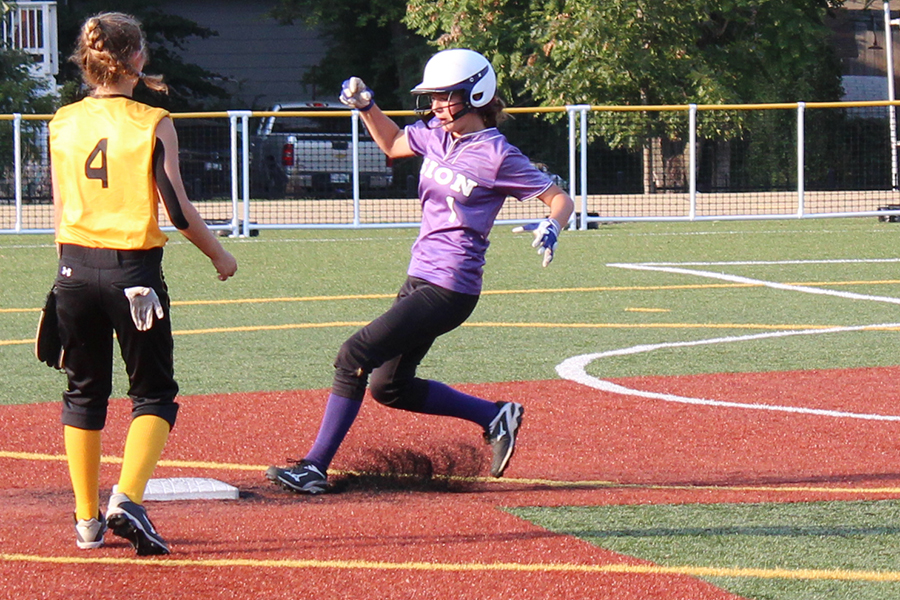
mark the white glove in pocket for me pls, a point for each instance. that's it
(144, 304)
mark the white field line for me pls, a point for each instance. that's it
(573, 369)
(751, 281)
(821, 261)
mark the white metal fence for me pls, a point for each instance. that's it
(792, 160)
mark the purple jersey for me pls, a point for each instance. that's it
(462, 186)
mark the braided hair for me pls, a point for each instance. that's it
(107, 47)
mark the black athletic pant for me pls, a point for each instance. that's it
(91, 305)
(392, 346)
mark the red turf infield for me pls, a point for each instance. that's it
(443, 545)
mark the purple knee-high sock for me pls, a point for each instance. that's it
(444, 400)
(339, 415)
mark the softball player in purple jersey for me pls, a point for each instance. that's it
(469, 169)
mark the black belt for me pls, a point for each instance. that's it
(107, 257)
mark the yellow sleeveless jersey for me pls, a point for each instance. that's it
(102, 154)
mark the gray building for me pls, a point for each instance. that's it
(260, 61)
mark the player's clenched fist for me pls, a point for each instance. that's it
(355, 94)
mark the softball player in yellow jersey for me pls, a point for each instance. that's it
(112, 160)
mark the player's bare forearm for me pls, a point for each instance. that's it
(387, 134)
(561, 205)
(200, 235)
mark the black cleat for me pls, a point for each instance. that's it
(129, 520)
(501, 435)
(303, 478)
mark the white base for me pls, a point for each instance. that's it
(188, 488)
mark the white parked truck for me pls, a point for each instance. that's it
(311, 155)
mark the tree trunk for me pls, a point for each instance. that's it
(665, 165)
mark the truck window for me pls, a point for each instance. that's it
(311, 125)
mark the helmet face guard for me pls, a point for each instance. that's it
(457, 69)
(424, 102)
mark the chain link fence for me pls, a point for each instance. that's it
(247, 171)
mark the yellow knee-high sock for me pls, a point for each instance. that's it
(83, 454)
(147, 436)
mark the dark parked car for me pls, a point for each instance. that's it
(206, 173)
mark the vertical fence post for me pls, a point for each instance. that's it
(574, 175)
(245, 172)
(572, 171)
(583, 190)
(17, 159)
(233, 115)
(232, 120)
(354, 120)
(692, 159)
(801, 159)
(892, 110)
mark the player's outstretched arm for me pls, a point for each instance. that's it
(387, 134)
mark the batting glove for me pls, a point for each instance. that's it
(144, 303)
(546, 237)
(355, 94)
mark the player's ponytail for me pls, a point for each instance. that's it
(154, 82)
(492, 113)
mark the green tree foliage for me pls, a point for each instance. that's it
(20, 92)
(645, 52)
(366, 38)
(191, 87)
(609, 52)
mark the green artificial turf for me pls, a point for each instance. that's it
(299, 294)
(846, 545)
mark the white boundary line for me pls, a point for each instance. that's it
(573, 368)
(751, 281)
(824, 261)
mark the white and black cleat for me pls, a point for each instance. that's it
(501, 435)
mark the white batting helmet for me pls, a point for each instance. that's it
(460, 69)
